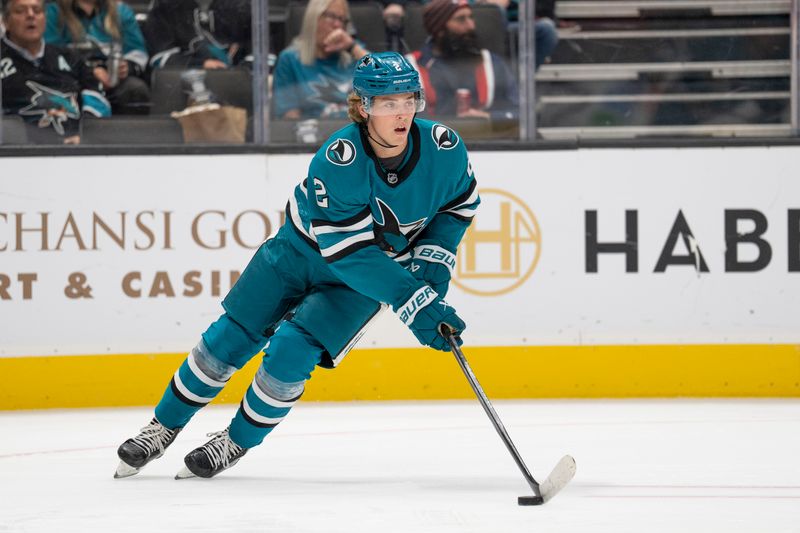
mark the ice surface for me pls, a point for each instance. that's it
(643, 466)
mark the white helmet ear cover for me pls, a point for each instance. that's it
(366, 103)
(419, 98)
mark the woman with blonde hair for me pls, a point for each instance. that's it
(107, 34)
(314, 74)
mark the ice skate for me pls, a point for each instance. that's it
(216, 455)
(150, 444)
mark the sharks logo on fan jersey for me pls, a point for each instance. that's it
(341, 152)
(52, 107)
(444, 137)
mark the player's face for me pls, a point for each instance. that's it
(25, 22)
(391, 116)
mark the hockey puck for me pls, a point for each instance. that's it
(530, 500)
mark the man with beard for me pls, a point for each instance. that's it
(451, 61)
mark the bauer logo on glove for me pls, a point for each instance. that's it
(435, 254)
(424, 296)
(424, 320)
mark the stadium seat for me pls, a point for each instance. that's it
(13, 130)
(642, 68)
(229, 86)
(130, 130)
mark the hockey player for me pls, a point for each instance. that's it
(376, 223)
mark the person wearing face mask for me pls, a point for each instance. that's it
(312, 75)
(375, 224)
(460, 78)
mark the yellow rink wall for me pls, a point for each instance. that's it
(422, 374)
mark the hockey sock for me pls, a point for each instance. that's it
(198, 381)
(266, 402)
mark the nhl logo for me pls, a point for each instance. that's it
(391, 177)
(341, 152)
(444, 137)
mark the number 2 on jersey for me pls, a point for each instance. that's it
(321, 193)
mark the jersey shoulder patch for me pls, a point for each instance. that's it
(444, 138)
(340, 151)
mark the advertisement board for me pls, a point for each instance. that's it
(645, 247)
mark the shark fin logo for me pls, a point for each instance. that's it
(341, 152)
(52, 107)
(444, 137)
(392, 235)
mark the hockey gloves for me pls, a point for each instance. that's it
(433, 265)
(423, 312)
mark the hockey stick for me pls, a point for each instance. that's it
(563, 471)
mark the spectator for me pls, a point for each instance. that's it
(394, 12)
(209, 34)
(106, 33)
(544, 30)
(451, 60)
(45, 86)
(314, 74)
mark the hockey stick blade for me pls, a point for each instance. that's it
(562, 474)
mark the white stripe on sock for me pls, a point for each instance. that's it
(257, 417)
(186, 392)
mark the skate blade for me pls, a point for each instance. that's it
(562, 474)
(185, 473)
(125, 470)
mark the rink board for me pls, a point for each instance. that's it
(590, 273)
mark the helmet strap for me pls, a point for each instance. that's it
(376, 140)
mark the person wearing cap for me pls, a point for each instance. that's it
(451, 60)
(375, 224)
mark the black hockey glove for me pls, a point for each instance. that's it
(423, 312)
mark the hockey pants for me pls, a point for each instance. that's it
(289, 302)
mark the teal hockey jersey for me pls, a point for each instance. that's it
(365, 220)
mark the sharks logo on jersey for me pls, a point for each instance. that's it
(341, 152)
(51, 106)
(444, 137)
(391, 234)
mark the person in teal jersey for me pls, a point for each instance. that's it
(375, 224)
(99, 30)
(314, 73)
